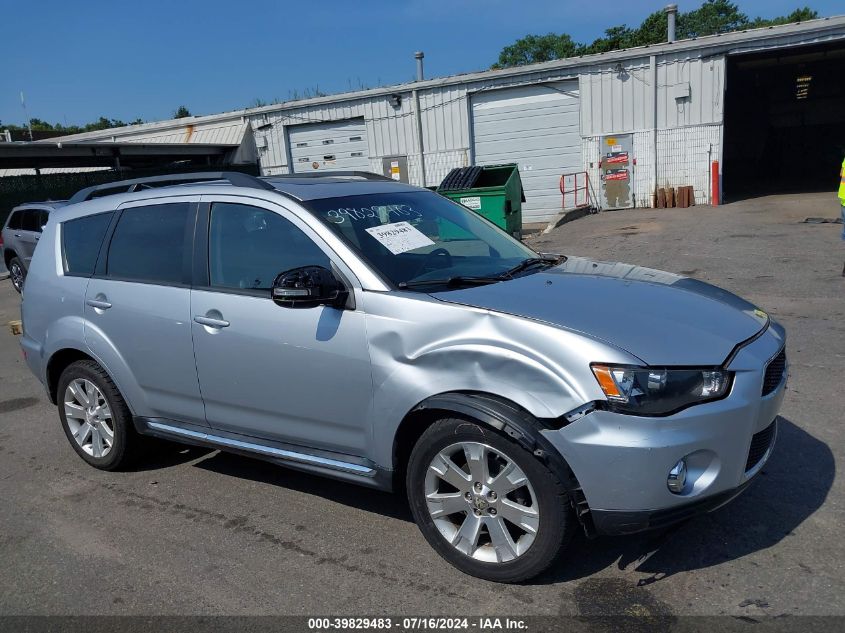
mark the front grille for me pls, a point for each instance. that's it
(760, 443)
(774, 373)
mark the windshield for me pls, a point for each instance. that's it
(414, 237)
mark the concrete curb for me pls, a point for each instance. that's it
(565, 216)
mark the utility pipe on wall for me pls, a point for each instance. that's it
(418, 116)
(672, 14)
(419, 57)
(652, 64)
(420, 142)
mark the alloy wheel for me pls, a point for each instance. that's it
(17, 275)
(89, 417)
(481, 502)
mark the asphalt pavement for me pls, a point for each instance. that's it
(200, 532)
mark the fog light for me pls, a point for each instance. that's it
(677, 477)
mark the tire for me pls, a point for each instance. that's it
(541, 505)
(124, 444)
(17, 274)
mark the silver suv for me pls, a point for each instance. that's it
(20, 235)
(381, 334)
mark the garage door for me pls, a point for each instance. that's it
(538, 128)
(339, 145)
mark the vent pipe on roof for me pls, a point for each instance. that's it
(419, 57)
(672, 14)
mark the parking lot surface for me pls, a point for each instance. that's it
(200, 532)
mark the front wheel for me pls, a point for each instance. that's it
(486, 504)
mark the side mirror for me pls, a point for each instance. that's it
(309, 287)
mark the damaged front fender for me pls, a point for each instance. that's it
(421, 347)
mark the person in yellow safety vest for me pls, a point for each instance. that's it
(842, 202)
(842, 198)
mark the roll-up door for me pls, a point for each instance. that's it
(336, 145)
(537, 127)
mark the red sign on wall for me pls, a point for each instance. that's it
(616, 158)
(616, 174)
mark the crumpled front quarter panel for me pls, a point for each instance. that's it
(420, 347)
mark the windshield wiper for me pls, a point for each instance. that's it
(525, 264)
(449, 281)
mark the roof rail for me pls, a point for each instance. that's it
(235, 178)
(366, 175)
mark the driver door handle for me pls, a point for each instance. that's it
(96, 303)
(210, 322)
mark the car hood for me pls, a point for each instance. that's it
(660, 317)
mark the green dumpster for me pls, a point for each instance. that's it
(492, 191)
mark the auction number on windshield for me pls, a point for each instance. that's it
(384, 212)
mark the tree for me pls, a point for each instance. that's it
(799, 15)
(615, 37)
(713, 16)
(57, 129)
(532, 49)
(182, 112)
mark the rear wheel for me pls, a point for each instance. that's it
(486, 504)
(95, 417)
(17, 273)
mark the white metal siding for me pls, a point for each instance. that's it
(684, 156)
(620, 98)
(339, 145)
(614, 102)
(220, 133)
(536, 127)
(389, 131)
(616, 95)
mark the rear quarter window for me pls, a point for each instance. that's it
(81, 240)
(15, 220)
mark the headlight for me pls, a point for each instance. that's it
(643, 391)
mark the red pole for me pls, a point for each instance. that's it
(575, 201)
(714, 183)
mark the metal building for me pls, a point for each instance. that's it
(763, 103)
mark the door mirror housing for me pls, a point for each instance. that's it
(309, 287)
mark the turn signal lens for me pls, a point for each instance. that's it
(606, 382)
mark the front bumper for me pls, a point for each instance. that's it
(622, 461)
(610, 522)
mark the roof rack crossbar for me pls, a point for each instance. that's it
(235, 178)
(366, 175)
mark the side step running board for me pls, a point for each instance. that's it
(363, 474)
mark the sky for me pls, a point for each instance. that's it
(77, 60)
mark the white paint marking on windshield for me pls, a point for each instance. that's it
(384, 212)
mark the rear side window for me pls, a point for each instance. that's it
(16, 221)
(81, 240)
(149, 244)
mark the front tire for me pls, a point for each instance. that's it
(17, 274)
(95, 417)
(486, 504)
